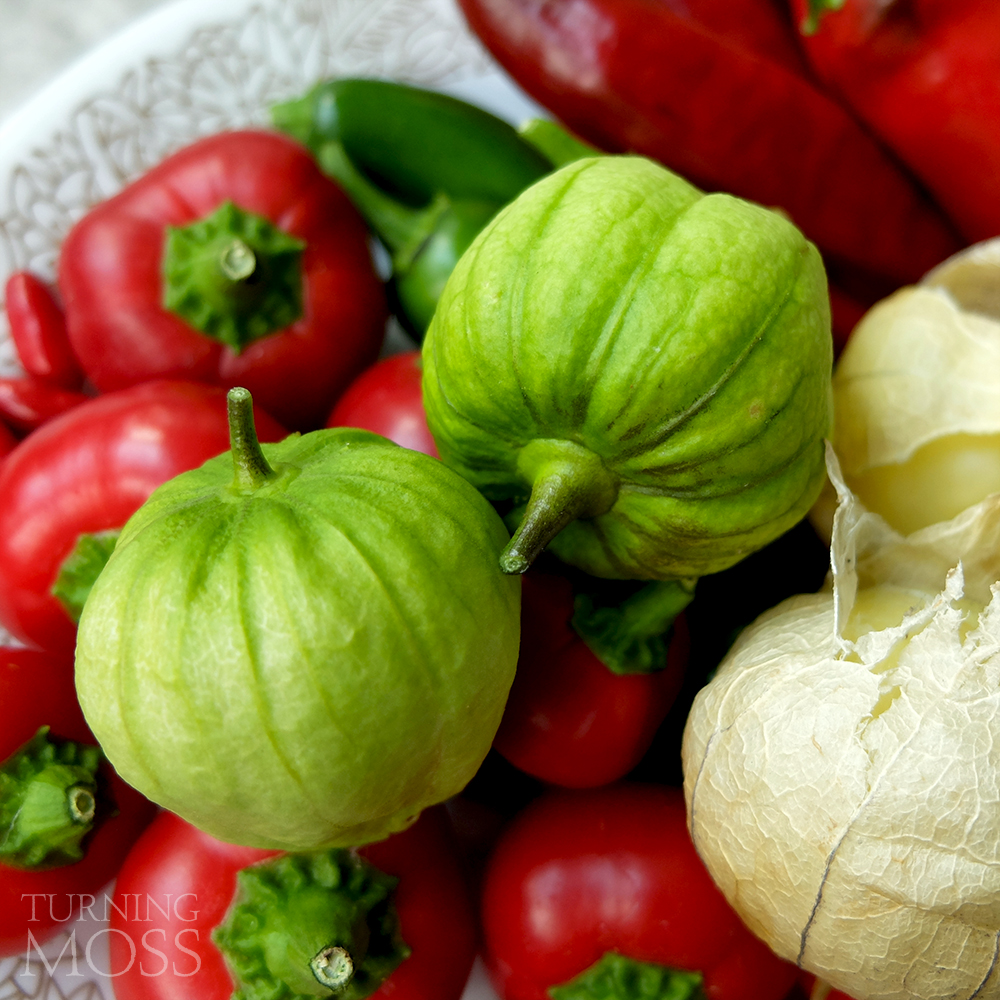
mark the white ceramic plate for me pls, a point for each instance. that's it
(191, 68)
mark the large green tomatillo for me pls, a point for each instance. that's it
(647, 366)
(307, 653)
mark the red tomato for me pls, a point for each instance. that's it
(581, 873)
(111, 278)
(89, 470)
(36, 689)
(387, 399)
(192, 877)
(569, 720)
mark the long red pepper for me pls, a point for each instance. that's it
(925, 76)
(650, 77)
(38, 329)
(27, 403)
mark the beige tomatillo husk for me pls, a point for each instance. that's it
(921, 366)
(843, 786)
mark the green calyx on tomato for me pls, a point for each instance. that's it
(80, 568)
(302, 645)
(233, 275)
(48, 802)
(629, 634)
(617, 977)
(642, 369)
(307, 925)
(815, 9)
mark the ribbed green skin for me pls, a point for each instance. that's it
(684, 338)
(309, 664)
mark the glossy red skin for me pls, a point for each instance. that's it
(647, 77)
(569, 720)
(7, 441)
(387, 399)
(925, 76)
(38, 329)
(437, 918)
(579, 873)
(109, 275)
(89, 470)
(36, 689)
(27, 403)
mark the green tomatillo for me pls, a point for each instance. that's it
(306, 651)
(643, 369)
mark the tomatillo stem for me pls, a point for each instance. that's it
(568, 481)
(250, 467)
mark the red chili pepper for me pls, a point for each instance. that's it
(234, 262)
(570, 720)
(387, 399)
(178, 883)
(38, 329)
(581, 874)
(27, 403)
(84, 474)
(925, 76)
(663, 80)
(36, 689)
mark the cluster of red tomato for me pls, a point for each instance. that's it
(118, 396)
(121, 394)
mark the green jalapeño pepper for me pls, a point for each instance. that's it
(427, 171)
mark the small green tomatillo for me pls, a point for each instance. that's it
(643, 369)
(302, 645)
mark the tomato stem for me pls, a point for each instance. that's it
(300, 919)
(48, 802)
(233, 275)
(333, 967)
(250, 467)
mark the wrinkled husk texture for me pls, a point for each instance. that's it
(845, 794)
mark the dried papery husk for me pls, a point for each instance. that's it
(917, 397)
(972, 277)
(842, 768)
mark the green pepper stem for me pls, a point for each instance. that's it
(568, 481)
(48, 802)
(402, 228)
(250, 467)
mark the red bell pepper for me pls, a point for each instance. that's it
(178, 884)
(667, 81)
(38, 329)
(36, 690)
(233, 262)
(603, 878)
(925, 76)
(387, 399)
(570, 719)
(27, 403)
(85, 473)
